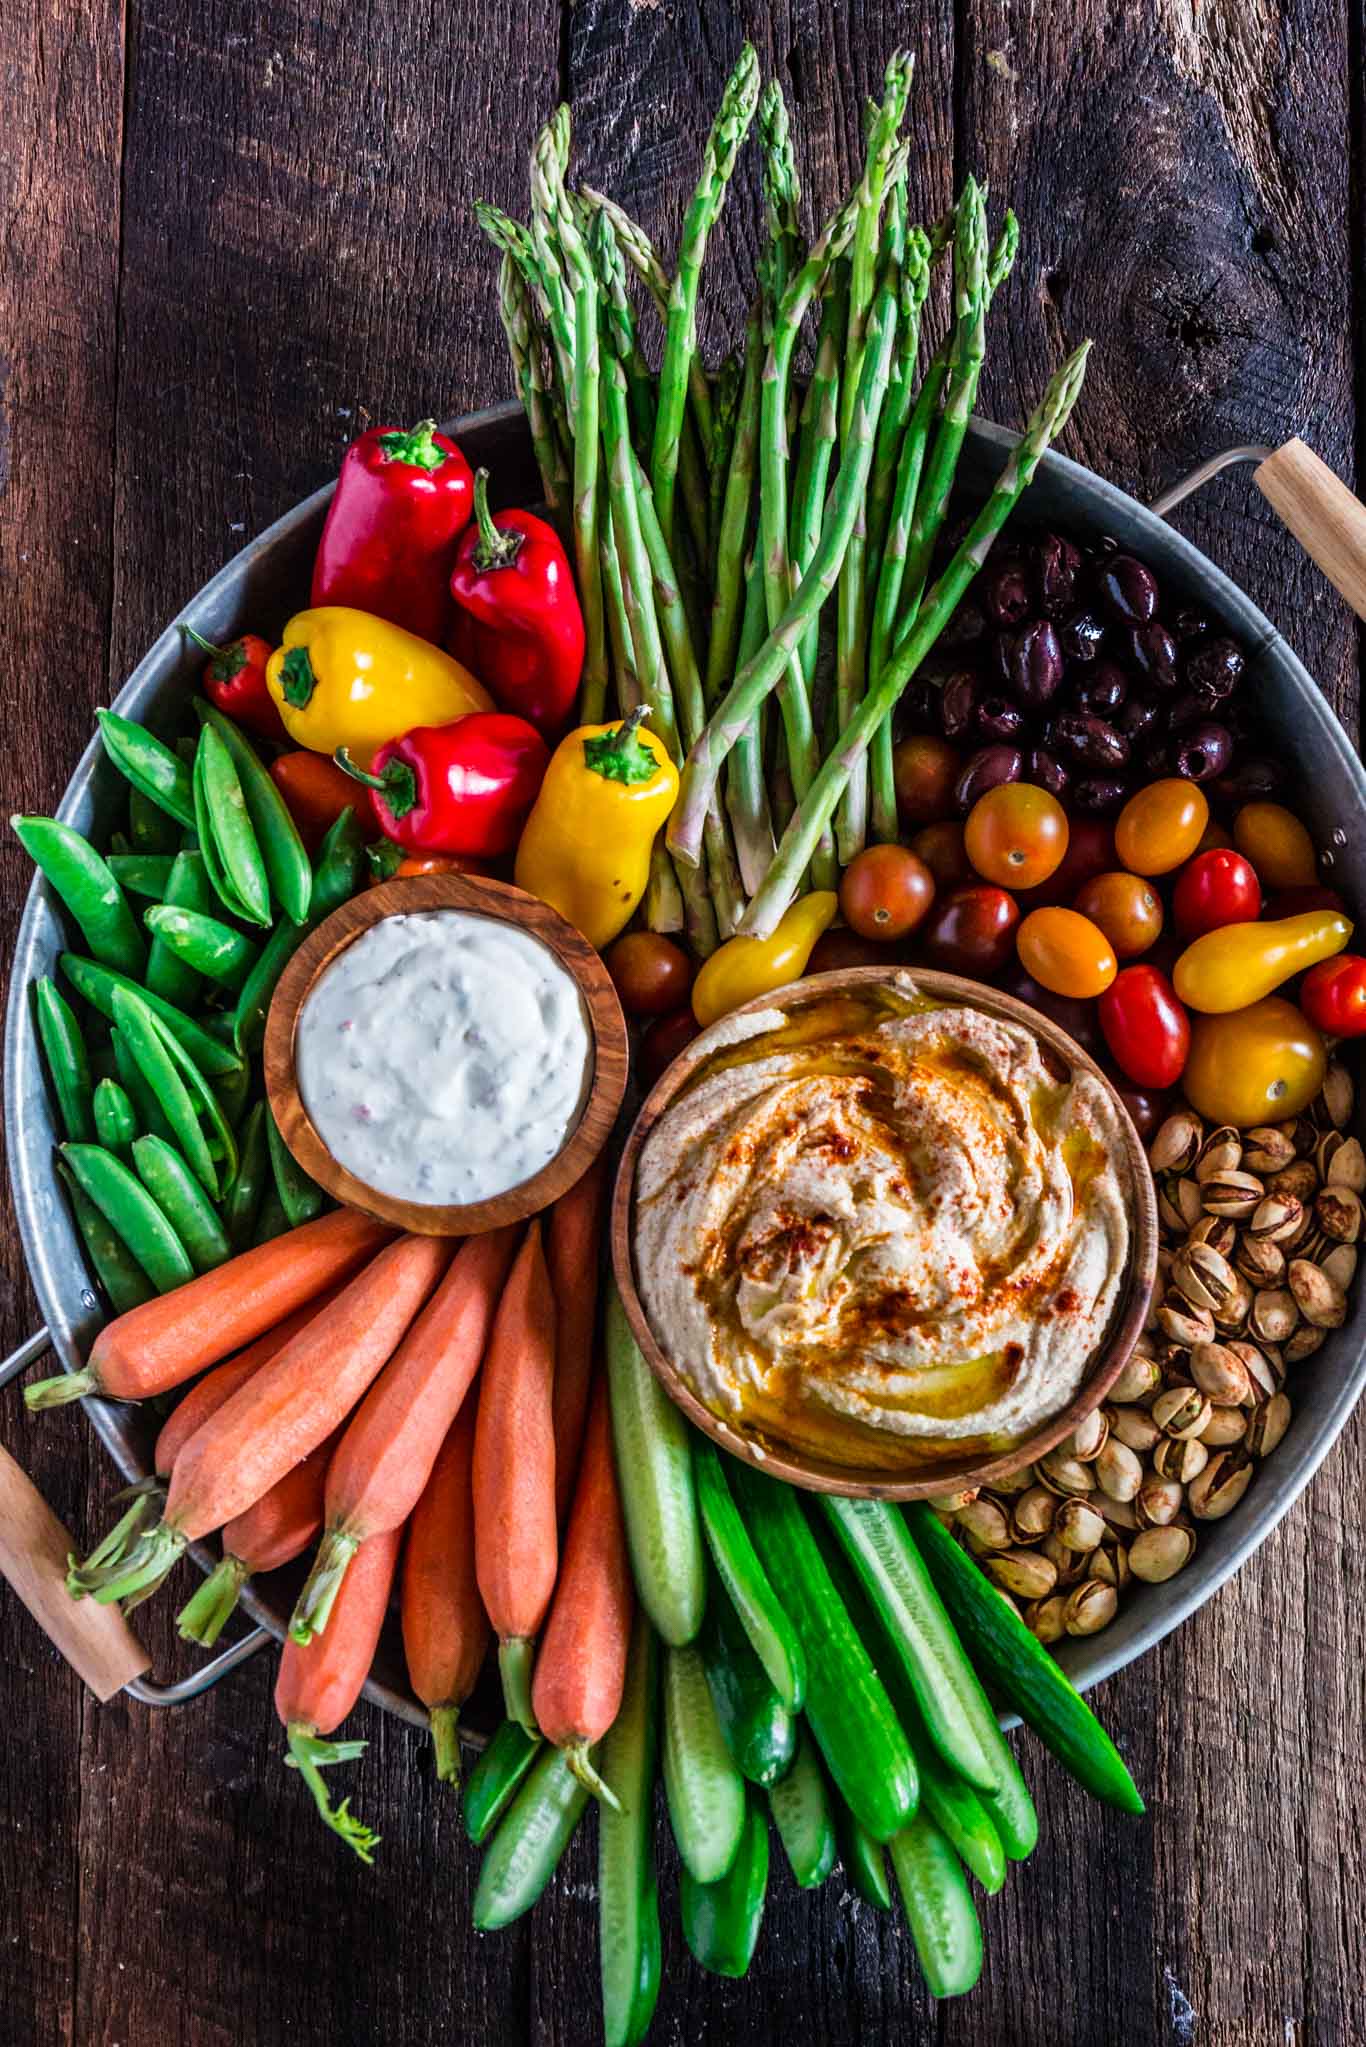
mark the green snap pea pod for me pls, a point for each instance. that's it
(531, 1838)
(116, 1269)
(216, 1129)
(494, 1781)
(116, 1123)
(204, 944)
(800, 1805)
(938, 1906)
(864, 1859)
(187, 888)
(706, 1792)
(300, 1198)
(151, 830)
(150, 766)
(142, 874)
(174, 1188)
(658, 1497)
(131, 1213)
(68, 1066)
(119, 842)
(759, 1731)
(150, 1051)
(226, 838)
(335, 880)
(232, 1093)
(88, 889)
(761, 1615)
(242, 1202)
(131, 1079)
(627, 1900)
(721, 1921)
(282, 850)
(271, 1220)
(97, 985)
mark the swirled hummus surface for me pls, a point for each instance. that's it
(883, 1235)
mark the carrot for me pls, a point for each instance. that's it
(278, 1528)
(571, 1253)
(317, 1686)
(285, 1410)
(515, 1540)
(581, 1668)
(445, 1628)
(390, 1445)
(166, 1341)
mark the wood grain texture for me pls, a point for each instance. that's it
(198, 307)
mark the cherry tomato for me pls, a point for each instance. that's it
(1016, 835)
(835, 951)
(924, 770)
(664, 1041)
(1127, 908)
(1293, 902)
(1147, 1030)
(1213, 835)
(941, 848)
(1160, 826)
(652, 975)
(1066, 952)
(1147, 1108)
(1078, 1019)
(1255, 1065)
(430, 863)
(1277, 844)
(885, 892)
(969, 931)
(1333, 996)
(1218, 887)
(1090, 850)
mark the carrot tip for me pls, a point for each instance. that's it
(514, 1667)
(59, 1391)
(577, 1756)
(445, 1724)
(205, 1614)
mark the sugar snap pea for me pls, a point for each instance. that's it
(187, 887)
(493, 1782)
(282, 850)
(243, 1200)
(116, 1123)
(300, 1198)
(89, 890)
(174, 1188)
(151, 767)
(150, 828)
(531, 1838)
(150, 1051)
(68, 1066)
(131, 1212)
(204, 944)
(335, 880)
(146, 1107)
(142, 874)
(116, 1269)
(271, 1220)
(226, 838)
(97, 984)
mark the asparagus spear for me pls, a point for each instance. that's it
(549, 155)
(782, 186)
(746, 788)
(883, 130)
(737, 519)
(663, 897)
(515, 309)
(641, 254)
(819, 432)
(726, 415)
(781, 882)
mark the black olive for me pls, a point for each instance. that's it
(1006, 595)
(1046, 771)
(1099, 793)
(957, 703)
(1153, 653)
(1101, 689)
(967, 626)
(1203, 752)
(998, 718)
(1248, 780)
(1081, 636)
(1137, 716)
(1029, 662)
(1056, 563)
(1090, 741)
(1190, 624)
(1127, 589)
(986, 769)
(1214, 669)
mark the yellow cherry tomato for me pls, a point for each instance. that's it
(1240, 963)
(1127, 908)
(745, 967)
(1016, 835)
(1277, 844)
(1161, 825)
(1066, 952)
(1254, 1065)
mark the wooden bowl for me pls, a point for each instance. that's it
(937, 1475)
(508, 905)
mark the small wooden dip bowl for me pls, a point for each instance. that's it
(507, 905)
(951, 1472)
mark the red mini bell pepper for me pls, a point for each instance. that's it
(466, 787)
(235, 682)
(518, 624)
(401, 503)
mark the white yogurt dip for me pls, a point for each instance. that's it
(444, 1057)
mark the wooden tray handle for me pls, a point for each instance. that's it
(1323, 515)
(96, 1640)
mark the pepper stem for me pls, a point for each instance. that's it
(204, 1616)
(445, 1722)
(575, 1754)
(397, 784)
(514, 1667)
(620, 754)
(415, 445)
(314, 1604)
(204, 646)
(310, 1756)
(496, 549)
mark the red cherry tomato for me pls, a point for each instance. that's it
(1214, 889)
(664, 1041)
(970, 931)
(1090, 851)
(651, 973)
(1146, 1028)
(941, 848)
(1333, 996)
(835, 951)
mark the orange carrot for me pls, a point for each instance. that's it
(571, 1253)
(445, 1628)
(386, 1455)
(317, 1686)
(282, 1412)
(164, 1342)
(581, 1668)
(515, 1539)
(278, 1528)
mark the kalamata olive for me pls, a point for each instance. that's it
(1046, 771)
(1096, 794)
(1155, 754)
(920, 706)
(1137, 716)
(1081, 636)
(1029, 662)
(998, 718)
(967, 626)
(1006, 595)
(1213, 669)
(958, 703)
(986, 769)
(1190, 624)
(1090, 741)
(1248, 780)
(1203, 752)
(1056, 564)
(1153, 653)
(1187, 709)
(1128, 589)
(1100, 690)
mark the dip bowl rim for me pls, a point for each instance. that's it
(503, 903)
(949, 1474)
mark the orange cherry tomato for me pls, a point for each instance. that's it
(651, 974)
(941, 848)
(425, 863)
(1127, 908)
(885, 891)
(1226, 970)
(1212, 838)
(1016, 835)
(663, 1042)
(1254, 1065)
(1066, 952)
(1277, 844)
(924, 770)
(1161, 825)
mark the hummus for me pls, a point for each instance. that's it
(882, 1229)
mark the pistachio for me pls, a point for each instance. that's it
(1304, 1343)
(1336, 1096)
(1062, 1473)
(1276, 1218)
(1139, 1376)
(1320, 1300)
(1202, 1277)
(1088, 1437)
(1189, 1198)
(1159, 1553)
(1262, 1363)
(1220, 1485)
(1033, 1513)
(1267, 1148)
(1118, 1556)
(1177, 1143)
(1102, 1565)
(1180, 1457)
(1069, 1564)
(1340, 1265)
(1134, 1427)
(1158, 1501)
(1304, 1132)
(1091, 1607)
(1326, 1147)
(1232, 1194)
(1044, 1618)
(1218, 1232)
(1014, 1482)
(1181, 1411)
(1119, 1474)
(1183, 1322)
(1118, 1513)
(1232, 1313)
(1024, 1572)
(1337, 1211)
(1221, 1152)
(1218, 1371)
(1267, 1424)
(1078, 1526)
(1261, 1262)
(1168, 1212)
(1348, 1167)
(1299, 1181)
(1225, 1426)
(1274, 1313)
(949, 1503)
(985, 1525)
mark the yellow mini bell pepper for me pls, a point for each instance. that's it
(1240, 963)
(586, 846)
(343, 678)
(745, 967)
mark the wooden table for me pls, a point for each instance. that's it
(235, 233)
